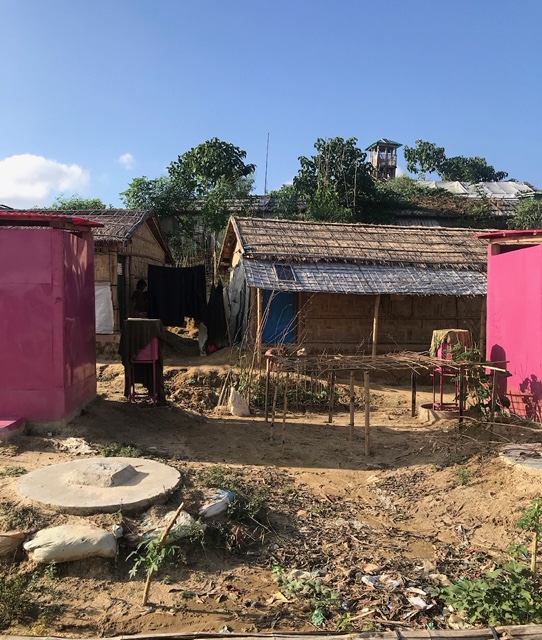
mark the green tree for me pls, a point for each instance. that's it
(528, 215)
(472, 170)
(425, 157)
(76, 202)
(336, 183)
(214, 175)
(285, 202)
(203, 187)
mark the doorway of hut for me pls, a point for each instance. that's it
(279, 314)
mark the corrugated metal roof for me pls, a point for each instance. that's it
(508, 189)
(325, 277)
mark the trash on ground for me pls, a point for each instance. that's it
(218, 504)
(71, 542)
(237, 405)
(76, 446)
(420, 603)
(184, 526)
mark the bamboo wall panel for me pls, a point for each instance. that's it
(405, 323)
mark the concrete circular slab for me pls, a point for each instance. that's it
(99, 485)
(528, 456)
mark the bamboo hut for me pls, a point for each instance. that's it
(352, 287)
(129, 241)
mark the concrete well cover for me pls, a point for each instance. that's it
(99, 485)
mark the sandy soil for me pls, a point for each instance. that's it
(430, 501)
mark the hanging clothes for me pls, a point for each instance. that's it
(176, 293)
(215, 318)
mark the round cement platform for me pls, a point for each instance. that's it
(99, 485)
(527, 456)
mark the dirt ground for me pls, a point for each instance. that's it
(430, 504)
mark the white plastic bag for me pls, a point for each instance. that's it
(71, 542)
(238, 406)
(218, 504)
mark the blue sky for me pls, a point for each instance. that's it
(97, 93)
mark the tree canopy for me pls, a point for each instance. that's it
(336, 183)
(76, 202)
(528, 215)
(425, 157)
(202, 187)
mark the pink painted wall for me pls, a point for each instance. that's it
(47, 341)
(514, 325)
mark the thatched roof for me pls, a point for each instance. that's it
(119, 225)
(300, 242)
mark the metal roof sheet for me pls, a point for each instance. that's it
(11, 216)
(507, 190)
(325, 277)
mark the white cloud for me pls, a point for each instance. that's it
(399, 172)
(126, 160)
(27, 180)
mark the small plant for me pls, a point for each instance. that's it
(16, 599)
(530, 521)
(344, 622)
(12, 471)
(125, 450)
(509, 595)
(153, 554)
(15, 517)
(463, 476)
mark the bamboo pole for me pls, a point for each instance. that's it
(274, 409)
(267, 380)
(331, 396)
(375, 326)
(413, 380)
(534, 552)
(352, 408)
(461, 397)
(367, 413)
(483, 321)
(259, 324)
(493, 396)
(285, 407)
(161, 543)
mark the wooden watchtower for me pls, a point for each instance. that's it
(383, 158)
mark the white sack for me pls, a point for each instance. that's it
(105, 321)
(237, 405)
(71, 542)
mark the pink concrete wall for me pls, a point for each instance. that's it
(514, 324)
(47, 342)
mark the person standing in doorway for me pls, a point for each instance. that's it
(140, 299)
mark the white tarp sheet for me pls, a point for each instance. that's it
(105, 321)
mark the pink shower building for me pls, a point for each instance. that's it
(514, 316)
(47, 325)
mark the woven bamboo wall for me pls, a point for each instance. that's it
(332, 321)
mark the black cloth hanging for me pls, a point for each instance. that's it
(176, 293)
(215, 318)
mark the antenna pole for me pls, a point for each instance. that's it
(266, 165)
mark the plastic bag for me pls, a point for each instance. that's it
(71, 542)
(218, 504)
(238, 406)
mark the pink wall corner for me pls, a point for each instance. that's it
(514, 320)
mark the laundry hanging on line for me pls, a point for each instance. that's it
(176, 293)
